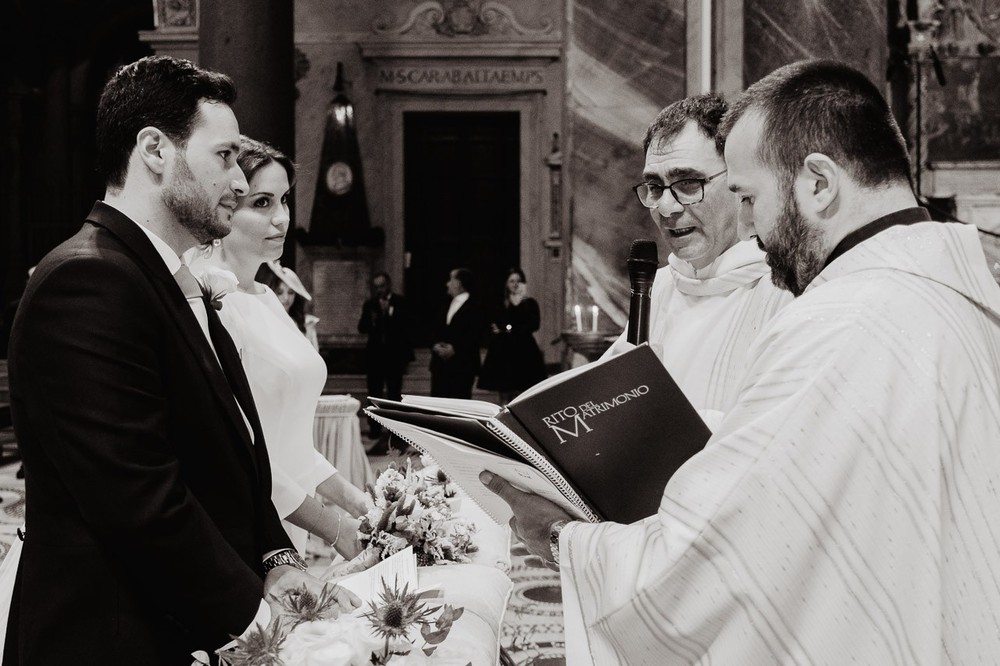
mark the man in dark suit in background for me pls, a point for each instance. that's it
(455, 356)
(385, 319)
(151, 533)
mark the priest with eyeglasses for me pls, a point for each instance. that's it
(714, 294)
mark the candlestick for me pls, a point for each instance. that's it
(578, 311)
(593, 319)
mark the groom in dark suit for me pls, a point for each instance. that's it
(150, 530)
(455, 359)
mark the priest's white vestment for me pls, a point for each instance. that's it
(702, 322)
(847, 510)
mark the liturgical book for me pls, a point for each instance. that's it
(601, 440)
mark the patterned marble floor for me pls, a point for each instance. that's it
(533, 624)
(11, 505)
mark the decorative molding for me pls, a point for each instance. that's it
(374, 50)
(175, 15)
(460, 18)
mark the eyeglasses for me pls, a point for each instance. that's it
(686, 191)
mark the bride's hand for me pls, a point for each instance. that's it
(347, 543)
(358, 502)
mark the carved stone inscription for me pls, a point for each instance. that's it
(461, 77)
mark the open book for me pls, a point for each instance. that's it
(601, 440)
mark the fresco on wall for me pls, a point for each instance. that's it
(777, 33)
(625, 61)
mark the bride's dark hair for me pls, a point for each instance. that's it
(255, 155)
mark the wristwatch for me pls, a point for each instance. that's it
(286, 556)
(554, 531)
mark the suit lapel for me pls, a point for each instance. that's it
(180, 311)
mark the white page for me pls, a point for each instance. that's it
(463, 463)
(396, 571)
(479, 409)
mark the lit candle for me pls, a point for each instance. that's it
(578, 311)
(593, 319)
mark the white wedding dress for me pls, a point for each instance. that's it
(8, 574)
(286, 376)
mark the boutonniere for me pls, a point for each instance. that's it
(216, 283)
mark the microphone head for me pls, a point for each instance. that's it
(643, 249)
(642, 259)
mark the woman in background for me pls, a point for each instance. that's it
(285, 372)
(513, 360)
(292, 295)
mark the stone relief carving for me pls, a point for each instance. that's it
(172, 14)
(459, 18)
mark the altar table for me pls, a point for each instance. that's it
(337, 435)
(481, 587)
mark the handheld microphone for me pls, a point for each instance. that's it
(642, 265)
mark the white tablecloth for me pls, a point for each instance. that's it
(337, 435)
(481, 587)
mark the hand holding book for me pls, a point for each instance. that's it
(533, 515)
(577, 439)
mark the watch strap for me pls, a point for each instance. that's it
(287, 556)
(554, 531)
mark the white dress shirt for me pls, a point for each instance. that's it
(456, 303)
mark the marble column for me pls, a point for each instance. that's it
(253, 42)
(777, 33)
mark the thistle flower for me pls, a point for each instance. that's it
(261, 647)
(302, 605)
(398, 611)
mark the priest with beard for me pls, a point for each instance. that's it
(713, 296)
(844, 511)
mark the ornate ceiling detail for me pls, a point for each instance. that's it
(459, 18)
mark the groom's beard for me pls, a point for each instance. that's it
(794, 250)
(193, 206)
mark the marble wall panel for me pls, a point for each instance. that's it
(625, 61)
(777, 33)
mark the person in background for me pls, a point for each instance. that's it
(150, 531)
(385, 319)
(292, 295)
(285, 373)
(455, 357)
(846, 508)
(513, 360)
(712, 297)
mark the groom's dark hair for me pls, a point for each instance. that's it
(158, 91)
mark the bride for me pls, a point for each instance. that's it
(286, 373)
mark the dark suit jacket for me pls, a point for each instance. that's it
(148, 507)
(465, 334)
(388, 333)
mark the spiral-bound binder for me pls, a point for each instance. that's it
(604, 440)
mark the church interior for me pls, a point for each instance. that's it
(487, 134)
(477, 133)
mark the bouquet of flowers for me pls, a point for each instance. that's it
(412, 509)
(314, 635)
